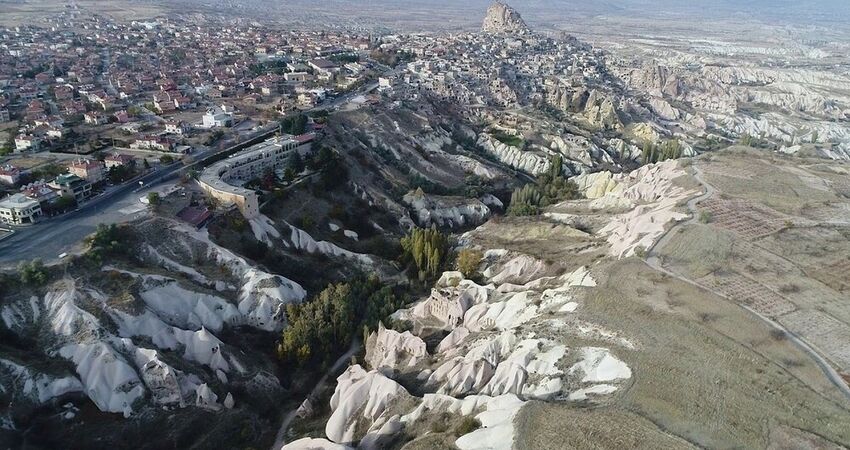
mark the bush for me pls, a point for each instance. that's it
(468, 261)
(467, 425)
(153, 198)
(108, 240)
(704, 217)
(32, 273)
(549, 188)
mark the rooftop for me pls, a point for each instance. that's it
(17, 201)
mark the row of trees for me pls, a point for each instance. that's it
(427, 250)
(325, 326)
(653, 153)
(550, 187)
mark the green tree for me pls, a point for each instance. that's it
(427, 250)
(468, 261)
(153, 198)
(32, 273)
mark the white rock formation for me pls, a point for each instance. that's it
(359, 396)
(445, 211)
(526, 161)
(388, 348)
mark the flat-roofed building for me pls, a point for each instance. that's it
(223, 179)
(70, 185)
(9, 174)
(18, 209)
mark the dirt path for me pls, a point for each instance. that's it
(320, 385)
(654, 261)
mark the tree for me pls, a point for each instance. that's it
(153, 198)
(146, 164)
(468, 261)
(32, 273)
(289, 174)
(326, 325)
(426, 250)
(296, 162)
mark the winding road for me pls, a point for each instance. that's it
(654, 261)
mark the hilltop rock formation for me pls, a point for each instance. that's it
(501, 18)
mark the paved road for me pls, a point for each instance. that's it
(51, 237)
(320, 386)
(655, 262)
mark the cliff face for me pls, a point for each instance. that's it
(501, 18)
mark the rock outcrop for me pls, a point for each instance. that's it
(501, 18)
(447, 212)
(529, 162)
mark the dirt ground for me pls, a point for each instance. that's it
(16, 14)
(706, 374)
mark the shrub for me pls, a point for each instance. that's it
(467, 425)
(704, 217)
(32, 273)
(153, 198)
(468, 261)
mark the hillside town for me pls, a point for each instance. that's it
(88, 103)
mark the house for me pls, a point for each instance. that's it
(95, 118)
(153, 143)
(4, 115)
(18, 209)
(40, 192)
(296, 77)
(117, 159)
(217, 117)
(24, 142)
(322, 65)
(9, 174)
(122, 116)
(70, 185)
(180, 128)
(90, 170)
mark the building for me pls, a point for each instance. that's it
(90, 170)
(217, 117)
(117, 159)
(220, 180)
(95, 118)
(18, 209)
(26, 142)
(70, 185)
(9, 174)
(153, 143)
(40, 192)
(176, 128)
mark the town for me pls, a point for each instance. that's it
(88, 104)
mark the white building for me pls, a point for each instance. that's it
(217, 117)
(18, 209)
(223, 179)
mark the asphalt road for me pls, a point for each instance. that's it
(51, 237)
